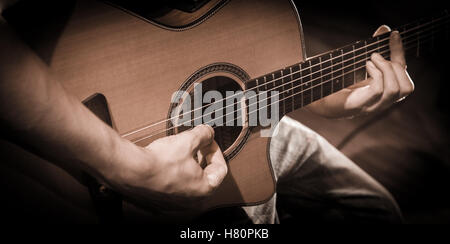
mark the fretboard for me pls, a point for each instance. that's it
(303, 83)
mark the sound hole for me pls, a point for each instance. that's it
(225, 135)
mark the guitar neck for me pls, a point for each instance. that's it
(303, 83)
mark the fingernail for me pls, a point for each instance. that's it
(369, 63)
(396, 34)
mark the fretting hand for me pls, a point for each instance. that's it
(388, 82)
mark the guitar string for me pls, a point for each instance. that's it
(294, 94)
(272, 81)
(309, 88)
(280, 78)
(299, 71)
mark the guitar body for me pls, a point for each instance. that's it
(137, 64)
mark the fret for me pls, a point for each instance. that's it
(360, 57)
(296, 77)
(316, 79)
(349, 60)
(371, 46)
(336, 70)
(269, 87)
(287, 91)
(291, 88)
(321, 77)
(342, 68)
(306, 83)
(276, 86)
(367, 55)
(266, 85)
(253, 107)
(280, 87)
(277, 78)
(383, 46)
(326, 75)
(380, 40)
(268, 82)
(258, 83)
(354, 64)
(331, 73)
(365, 61)
(263, 86)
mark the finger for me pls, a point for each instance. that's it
(216, 170)
(200, 136)
(366, 95)
(396, 47)
(390, 83)
(376, 84)
(405, 82)
(381, 30)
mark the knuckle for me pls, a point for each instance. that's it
(410, 88)
(225, 170)
(222, 171)
(373, 56)
(398, 66)
(207, 131)
(406, 91)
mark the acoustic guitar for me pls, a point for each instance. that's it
(126, 65)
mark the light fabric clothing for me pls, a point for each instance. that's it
(316, 182)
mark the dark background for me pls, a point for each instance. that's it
(405, 148)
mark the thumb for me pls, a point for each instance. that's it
(217, 169)
(381, 30)
(200, 136)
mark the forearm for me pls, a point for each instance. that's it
(46, 117)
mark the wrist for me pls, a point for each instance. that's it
(126, 164)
